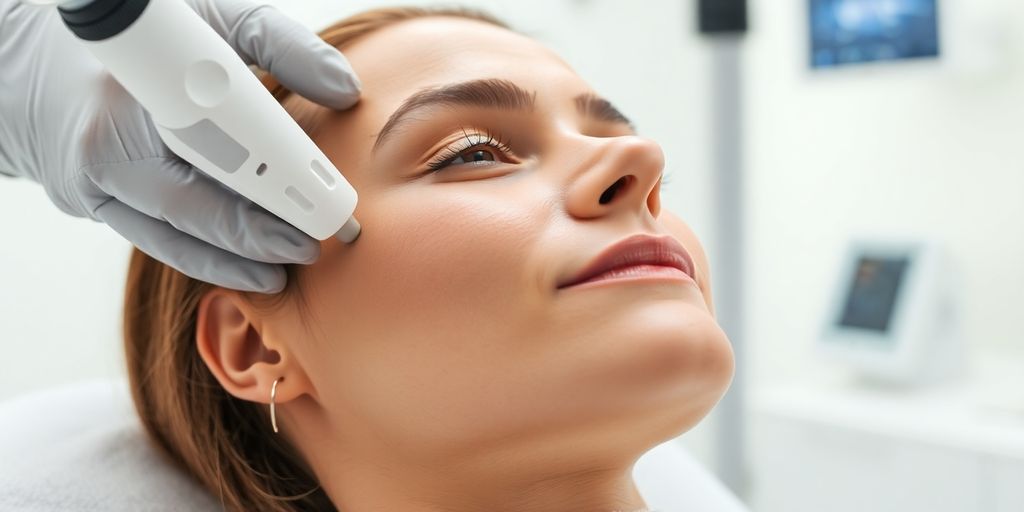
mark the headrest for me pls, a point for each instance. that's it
(82, 447)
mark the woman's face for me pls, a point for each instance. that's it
(441, 333)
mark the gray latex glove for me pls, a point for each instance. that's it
(65, 123)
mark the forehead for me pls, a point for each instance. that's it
(399, 60)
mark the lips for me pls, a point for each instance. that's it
(636, 251)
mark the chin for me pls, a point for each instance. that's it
(654, 370)
(689, 374)
(678, 346)
(682, 364)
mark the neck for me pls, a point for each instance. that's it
(374, 487)
(591, 472)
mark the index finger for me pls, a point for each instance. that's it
(293, 54)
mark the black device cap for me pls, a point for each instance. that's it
(102, 19)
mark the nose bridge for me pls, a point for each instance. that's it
(619, 174)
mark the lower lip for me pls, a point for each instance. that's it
(637, 273)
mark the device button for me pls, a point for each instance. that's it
(299, 199)
(213, 144)
(322, 173)
(207, 83)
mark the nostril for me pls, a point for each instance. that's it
(609, 194)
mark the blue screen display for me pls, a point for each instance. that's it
(873, 292)
(855, 31)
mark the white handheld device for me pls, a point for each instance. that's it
(211, 110)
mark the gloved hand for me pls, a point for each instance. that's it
(65, 123)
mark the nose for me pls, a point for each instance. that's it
(624, 175)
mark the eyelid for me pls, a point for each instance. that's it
(470, 138)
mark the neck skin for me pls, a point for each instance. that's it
(586, 491)
(580, 472)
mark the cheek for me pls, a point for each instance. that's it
(432, 251)
(428, 305)
(423, 250)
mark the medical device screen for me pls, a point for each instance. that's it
(873, 293)
(854, 31)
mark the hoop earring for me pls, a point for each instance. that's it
(273, 408)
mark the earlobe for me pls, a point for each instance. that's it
(229, 337)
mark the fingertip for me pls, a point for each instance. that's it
(309, 253)
(295, 246)
(347, 100)
(271, 281)
(298, 58)
(343, 86)
(271, 289)
(237, 273)
(327, 78)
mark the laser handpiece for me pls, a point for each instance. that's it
(212, 111)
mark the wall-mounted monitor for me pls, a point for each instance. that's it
(844, 32)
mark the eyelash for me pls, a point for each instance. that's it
(452, 151)
(468, 141)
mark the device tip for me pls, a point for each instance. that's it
(350, 231)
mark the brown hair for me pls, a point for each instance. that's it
(225, 443)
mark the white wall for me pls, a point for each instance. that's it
(62, 278)
(916, 148)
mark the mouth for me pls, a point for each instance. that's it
(638, 256)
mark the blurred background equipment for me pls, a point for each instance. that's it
(855, 31)
(722, 16)
(892, 315)
(723, 23)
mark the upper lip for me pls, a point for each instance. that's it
(639, 249)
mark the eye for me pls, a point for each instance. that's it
(473, 155)
(473, 149)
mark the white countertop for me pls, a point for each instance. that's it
(983, 411)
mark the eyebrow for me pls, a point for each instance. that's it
(491, 93)
(596, 107)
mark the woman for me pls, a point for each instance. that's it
(455, 357)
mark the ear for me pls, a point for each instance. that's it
(243, 352)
